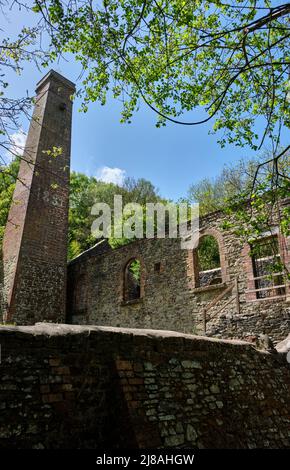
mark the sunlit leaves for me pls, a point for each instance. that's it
(179, 56)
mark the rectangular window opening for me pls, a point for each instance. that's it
(157, 267)
(267, 268)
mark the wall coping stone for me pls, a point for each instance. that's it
(197, 342)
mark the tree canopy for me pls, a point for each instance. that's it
(249, 194)
(15, 52)
(192, 62)
(214, 194)
(229, 59)
(227, 192)
(86, 191)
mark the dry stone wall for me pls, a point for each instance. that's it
(86, 387)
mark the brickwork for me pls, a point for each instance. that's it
(87, 387)
(170, 296)
(35, 241)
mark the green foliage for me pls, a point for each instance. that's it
(268, 192)
(228, 192)
(85, 192)
(235, 185)
(266, 255)
(208, 253)
(8, 176)
(74, 249)
(215, 194)
(15, 50)
(250, 193)
(231, 60)
(267, 205)
(135, 269)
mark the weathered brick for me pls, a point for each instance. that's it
(136, 381)
(35, 240)
(124, 365)
(54, 361)
(61, 370)
(52, 397)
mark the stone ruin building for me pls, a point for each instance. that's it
(234, 298)
(129, 381)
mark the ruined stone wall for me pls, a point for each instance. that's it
(164, 303)
(87, 387)
(170, 298)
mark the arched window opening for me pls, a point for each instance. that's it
(208, 262)
(132, 283)
(267, 268)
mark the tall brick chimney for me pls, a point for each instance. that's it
(35, 240)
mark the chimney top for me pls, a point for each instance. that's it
(53, 75)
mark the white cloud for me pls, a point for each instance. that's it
(17, 144)
(111, 175)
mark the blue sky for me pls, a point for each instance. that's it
(172, 158)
